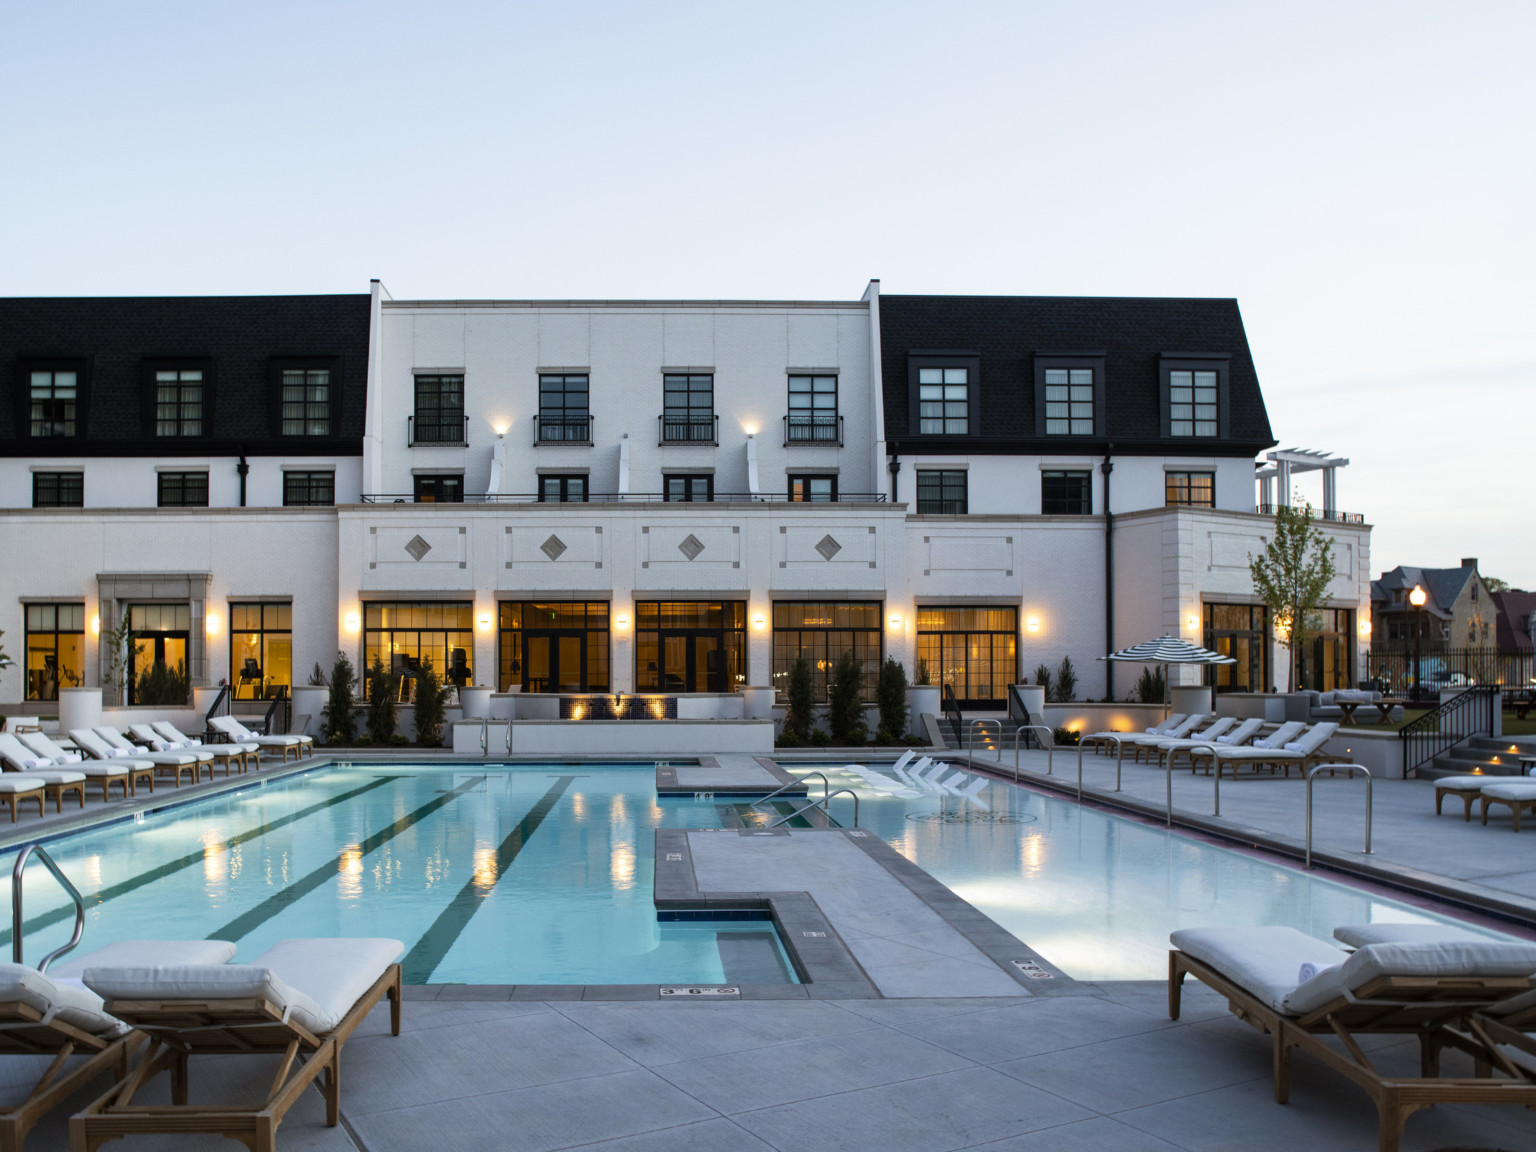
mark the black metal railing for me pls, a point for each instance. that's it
(630, 497)
(451, 430)
(951, 709)
(1391, 667)
(219, 701)
(562, 429)
(1467, 714)
(1018, 712)
(279, 708)
(813, 430)
(687, 429)
(1335, 515)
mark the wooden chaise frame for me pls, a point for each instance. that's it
(1440, 1011)
(180, 1029)
(24, 1032)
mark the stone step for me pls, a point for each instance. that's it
(1437, 771)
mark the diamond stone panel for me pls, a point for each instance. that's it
(828, 547)
(417, 547)
(554, 547)
(691, 547)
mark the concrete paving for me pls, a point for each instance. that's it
(727, 770)
(1106, 1072)
(1491, 866)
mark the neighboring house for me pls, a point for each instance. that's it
(1516, 631)
(1455, 629)
(654, 496)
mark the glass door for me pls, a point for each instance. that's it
(554, 662)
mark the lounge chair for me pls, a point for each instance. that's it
(1519, 795)
(299, 745)
(150, 735)
(1433, 990)
(19, 757)
(1261, 751)
(1100, 740)
(1237, 737)
(1147, 740)
(112, 765)
(186, 760)
(1219, 727)
(16, 787)
(16, 725)
(301, 999)
(51, 1014)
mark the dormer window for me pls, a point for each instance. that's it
(1195, 396)
(944, 393)
(54, 402)
(179, 401)
(1069, 393)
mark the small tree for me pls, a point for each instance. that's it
(382, 688)
(1291, 576)
(1043, 679)
(798, 715)
(1150, 687)
(923, 680)
(161, 684)
(891, 696)
(340, 723)
(431, 703)
(118, 642)
(845, 700)
(1066, 681)
(317, 677)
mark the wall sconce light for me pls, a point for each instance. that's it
(485, 622)
(758, 621)
(896, 620)
(621, 621)
(1032, 624)
(96, 625)
(501, 427)
(1365, 627)
(1192, 622)
(352, 622)
(211, 625)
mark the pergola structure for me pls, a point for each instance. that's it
(1288, 462)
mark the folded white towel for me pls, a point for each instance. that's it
(1309, 970)
(36, 763)
(140, 748)
(1223, 739)
(1151, 729)
(120, 752)
(70, 758)
(1294, 747)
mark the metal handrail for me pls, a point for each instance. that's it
(279, 699)
(485, 735)
(720, 497)
(1118, 742)
(509, 735)
(1049, 744)
(218, 700)
(1351, 769)
(826, 786)
(16, 914)
(970, 733)
(822, 804)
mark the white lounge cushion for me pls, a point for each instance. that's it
(202, 982)
(1360, 935)
(1464, 781)
(10, 784)
(1427, 958)
(334, 972)
(58, 775)
(1263, 959)
(1516, 791)
(65, 1000)
(146, 953)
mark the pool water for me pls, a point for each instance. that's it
(1096, 894)
(528, 874)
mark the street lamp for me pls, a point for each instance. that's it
(1417, 598)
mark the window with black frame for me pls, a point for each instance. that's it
(565, 488)
(439, 488)
(553, 646)
(179, 402)
(260, 649)
(403, 634)
(943, 401)
(1327, 661)
(813, 489)
(821, 632)
(55, 647)
(309, 489)
(1190, 489)
(439, 417)
(941, 492)
(812, 410)
(1066, 493)
(565, 414)
(306, 401)
(690, 646)
(1242, 632)
(58, 489)
(1069, 401)
(688, 489)
(1192, 403)
(183, 489)
(53, 399)
(688, 411)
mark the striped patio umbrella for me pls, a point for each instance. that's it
(1168, 650)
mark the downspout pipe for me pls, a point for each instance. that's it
(895, 467)
(245, 470)
(1107, 468)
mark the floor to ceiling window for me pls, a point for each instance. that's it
(973, 650)
(554, 646)
(690, 646)
(822, 632)
(1242, 632)
(403, 633)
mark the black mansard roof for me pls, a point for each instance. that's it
(242, 342)
(1132, 338)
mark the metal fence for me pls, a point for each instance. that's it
(1392, 670)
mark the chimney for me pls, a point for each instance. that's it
(1469, 562)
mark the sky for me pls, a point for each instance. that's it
(1358, 175)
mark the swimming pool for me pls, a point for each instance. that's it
(1097, 894)
(526, 874)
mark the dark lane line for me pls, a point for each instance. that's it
(422, 960)
(192, 859)
(252, 919)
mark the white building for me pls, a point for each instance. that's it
(623, 496)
